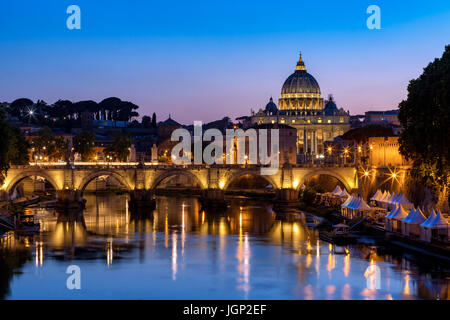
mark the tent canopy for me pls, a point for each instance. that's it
(385, 197)
(344, 194)
(400, 214)
(393, 211)
(401, 199)
(337, 191)
(377, 195)
(430, 218)
(438, 222)
(347, 202)
(415, 217)
(356, 204)
(391, 198)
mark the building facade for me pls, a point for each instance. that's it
(384, 152)
(302, 107)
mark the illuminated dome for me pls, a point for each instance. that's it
(300, 91)
(271, 107)
(300, 81)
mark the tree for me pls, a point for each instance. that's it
(154, 120)
(49, 146)
(83, 143)
(109, 108)
(18, 151)
(13, 147)
(120, 149)
(361, 135)
(424, 116)
(17, 106)
(146, 122)
(126, 111)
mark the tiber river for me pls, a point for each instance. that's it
(181, 252)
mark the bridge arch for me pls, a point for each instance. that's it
(237, 175)
(330, 173)
(90, 177)
(30, 174)
(176, 172)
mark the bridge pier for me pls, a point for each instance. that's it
(142, 199)
(69, 200)
(213, 198)
(286, 198)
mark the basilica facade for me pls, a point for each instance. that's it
(302, 107)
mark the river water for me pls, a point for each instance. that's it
(182, 252)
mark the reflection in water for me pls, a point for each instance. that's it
(182, 251)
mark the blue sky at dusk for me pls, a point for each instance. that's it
(203, 60)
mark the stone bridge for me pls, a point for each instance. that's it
(70, 180)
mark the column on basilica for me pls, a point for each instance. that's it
(305, 141)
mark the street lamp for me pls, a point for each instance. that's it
(345, 155)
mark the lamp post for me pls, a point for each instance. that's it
(345, 155)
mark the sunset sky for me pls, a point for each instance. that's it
(203, 60)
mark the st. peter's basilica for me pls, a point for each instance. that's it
(302, 107)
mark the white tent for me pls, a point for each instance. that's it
(354, 208)
(430, 219)
(361, 205)
(411, 224)
(391, 198)
(345, 205)
(344, 194)
(396, 198)
(425, 233)
(392, 212)
(388, 223)
(377, 195)
(383, 200)
(383, 196)
(437, 229)
(396, 219)
(337, 191)
(346, 202)
(401, 199)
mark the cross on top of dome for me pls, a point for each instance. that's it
(300, 63)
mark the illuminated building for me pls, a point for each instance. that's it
(301, 106)
(384, 151)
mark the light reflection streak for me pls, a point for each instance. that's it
(166, 231)
(243, 256)
(406, 288)
(317, 264)
(346, 268)
(346, 292)
(309, 293)
(331, 263)
(183, 230)
(39, 253)
(109, 251)
(174, 256)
